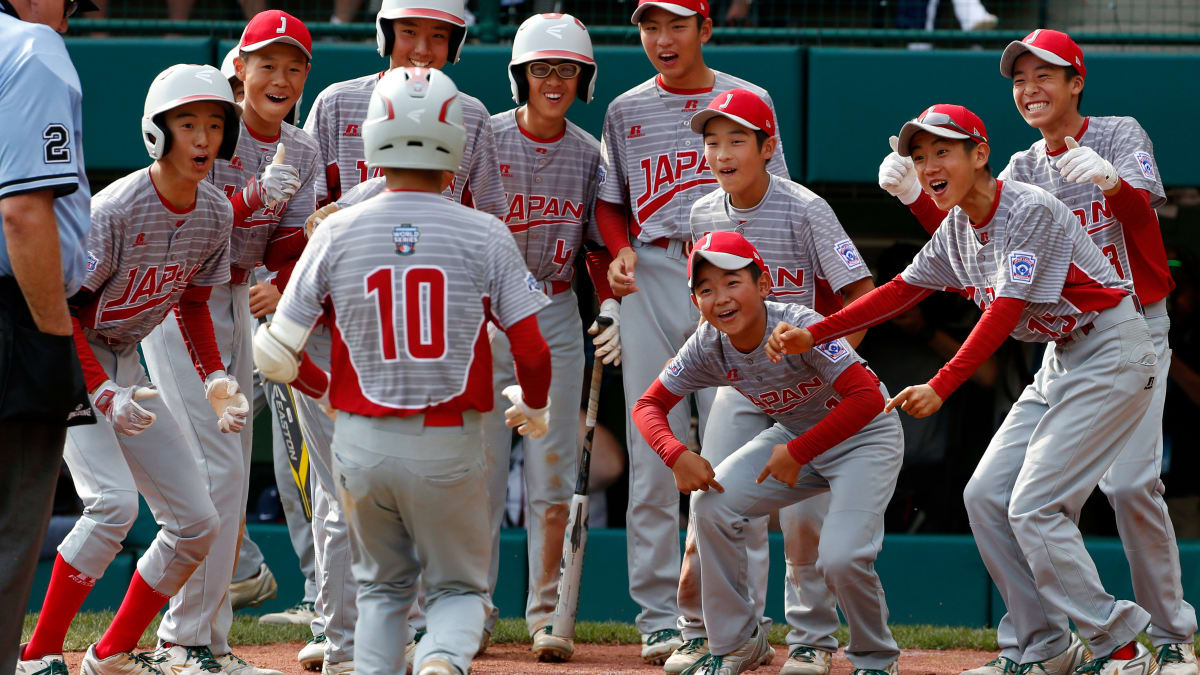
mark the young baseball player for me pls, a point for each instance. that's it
(652, 170)
(1020, 254)
(548, 167)
(159, 236)
(412, 373)
(810, 261)
(827, 435)
(271, 197)
(1103, 168)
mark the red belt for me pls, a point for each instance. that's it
(238, 276)
(559, 286)
(443, 418)
(661, 242)
(1067, 340)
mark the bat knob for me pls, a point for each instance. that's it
(604, 321)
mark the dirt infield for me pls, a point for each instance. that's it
(516, 658)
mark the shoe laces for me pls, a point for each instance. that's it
(204, 658)
(868, 671)
(54, 668)
(802, 653)
(316, 639)
(300, 607)
(237, 659)
(1092, 665)
(662, 636)
(1170, 653)
(1026, 668)
(711, 664)
(692, 646)
(147, 660)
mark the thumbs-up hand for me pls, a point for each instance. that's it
(898, 176)
(278, 183)
(1080, 164)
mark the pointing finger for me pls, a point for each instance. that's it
(716, 486)
(763, 476)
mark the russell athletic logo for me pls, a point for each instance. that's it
(635, 131)
(406, 237)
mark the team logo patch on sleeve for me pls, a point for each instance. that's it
(848, 253)
(405, 237)
(675, 367)
(601, 175)
(1146, 162)
(834, 351)
(532, 283)
(92, 261)
(1020, 266)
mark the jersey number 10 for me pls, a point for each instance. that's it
(423, 307)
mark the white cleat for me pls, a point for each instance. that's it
(232, 665)
(50, 664)
(893, 668)
(312, 654)
(300, 614)
(256, 590)
(659, 645)
(811, 661)
(1063, 664)
(1001, 665)
(1173, 659)
(1142, 663)
(437, 668)
(343, 668)
(175, 659)
(753, 653)
(686, 655)
(551, 648)
(124, 663)
(410, 650)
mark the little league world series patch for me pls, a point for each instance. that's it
(1147, 164)
(406, 237)
(1021, 265)
(848, 253)
(834, 351)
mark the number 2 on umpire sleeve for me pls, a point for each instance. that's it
(55, 150)
(423, 307)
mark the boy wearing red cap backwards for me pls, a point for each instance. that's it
(652, 170)
(1020, 254)
(810, 261)
(1103, 168)
(270, 203)
(827, 435)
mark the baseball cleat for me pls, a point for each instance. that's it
(485, 639)
(312, 654)
(688, 653)
(1142, 663)
(437, 668)
(343, 668)
(124, 663)
(752, 654)
(232, 665)
(1001, 665)
(256, 590)
(50, 664)
(301, 613)
(548, 647)
(659, 645)
(1173, 659)
(176, 659)
(811, 661)
(893, 668)
(1063, 664)
(410, 650)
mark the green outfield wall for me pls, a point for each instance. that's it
(836, 106)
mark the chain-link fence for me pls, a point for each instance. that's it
(854, 22)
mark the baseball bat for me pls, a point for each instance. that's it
(283, 406)
(575, 541)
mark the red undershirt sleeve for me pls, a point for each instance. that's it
(861, 402)
(1131, 206)
(613, 222)
(241, 211)
(928, 214)
(311, 380)
(196, 325)
(882, 303)
(650, 416)
(93, 372)
(597, 263)
(531, 358)
(997, 322)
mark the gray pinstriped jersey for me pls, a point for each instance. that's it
(1120, 140)
(478, 173)
(550, 189)
(249, 241)
(398, 261)
(797, 392)
(807, 253)
(1031, 249)
(142, 254)
(651, 159)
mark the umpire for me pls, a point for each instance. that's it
(44, 213)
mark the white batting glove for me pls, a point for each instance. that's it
(119, 405)
(227, 402)
(315, 219)
(898, 176)
(608, 342)
(1081, 164)
(531, 422)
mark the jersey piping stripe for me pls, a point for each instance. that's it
(645, 212)
(521, 227)
(127, 312)
(51, 177)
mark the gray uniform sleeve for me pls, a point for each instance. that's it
(613, 183)
(514, 292)
(304, 202)
(362, 192)
(306, 290)
(216, 268)
(838, 259)
(37, 149)
(931, 268)
(107, 224)
(487, 192)
(830, 359)
(778, 163)
(692, 368)
(1133, 157)
(1036, 255)
(316, 127)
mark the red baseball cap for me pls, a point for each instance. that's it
(726, 250)
(275, 25)
(677, 7)
(945, 120)
(740, 105)
(1051, 46)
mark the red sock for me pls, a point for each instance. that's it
(137, 610)
(1125, 653)
(65, 595)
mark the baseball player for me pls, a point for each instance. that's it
(810, 261)
(652, 170)
(827, 435)
(270, 201)
(159, 236)
(412, 373)
(1104, 169)
(547, 166)
(1020, 254)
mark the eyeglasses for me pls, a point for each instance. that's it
(541, 69)
(70, 7)
(940, 119)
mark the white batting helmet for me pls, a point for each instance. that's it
(552, 36)
(453, 12)
(181, 84)
(414, 121)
